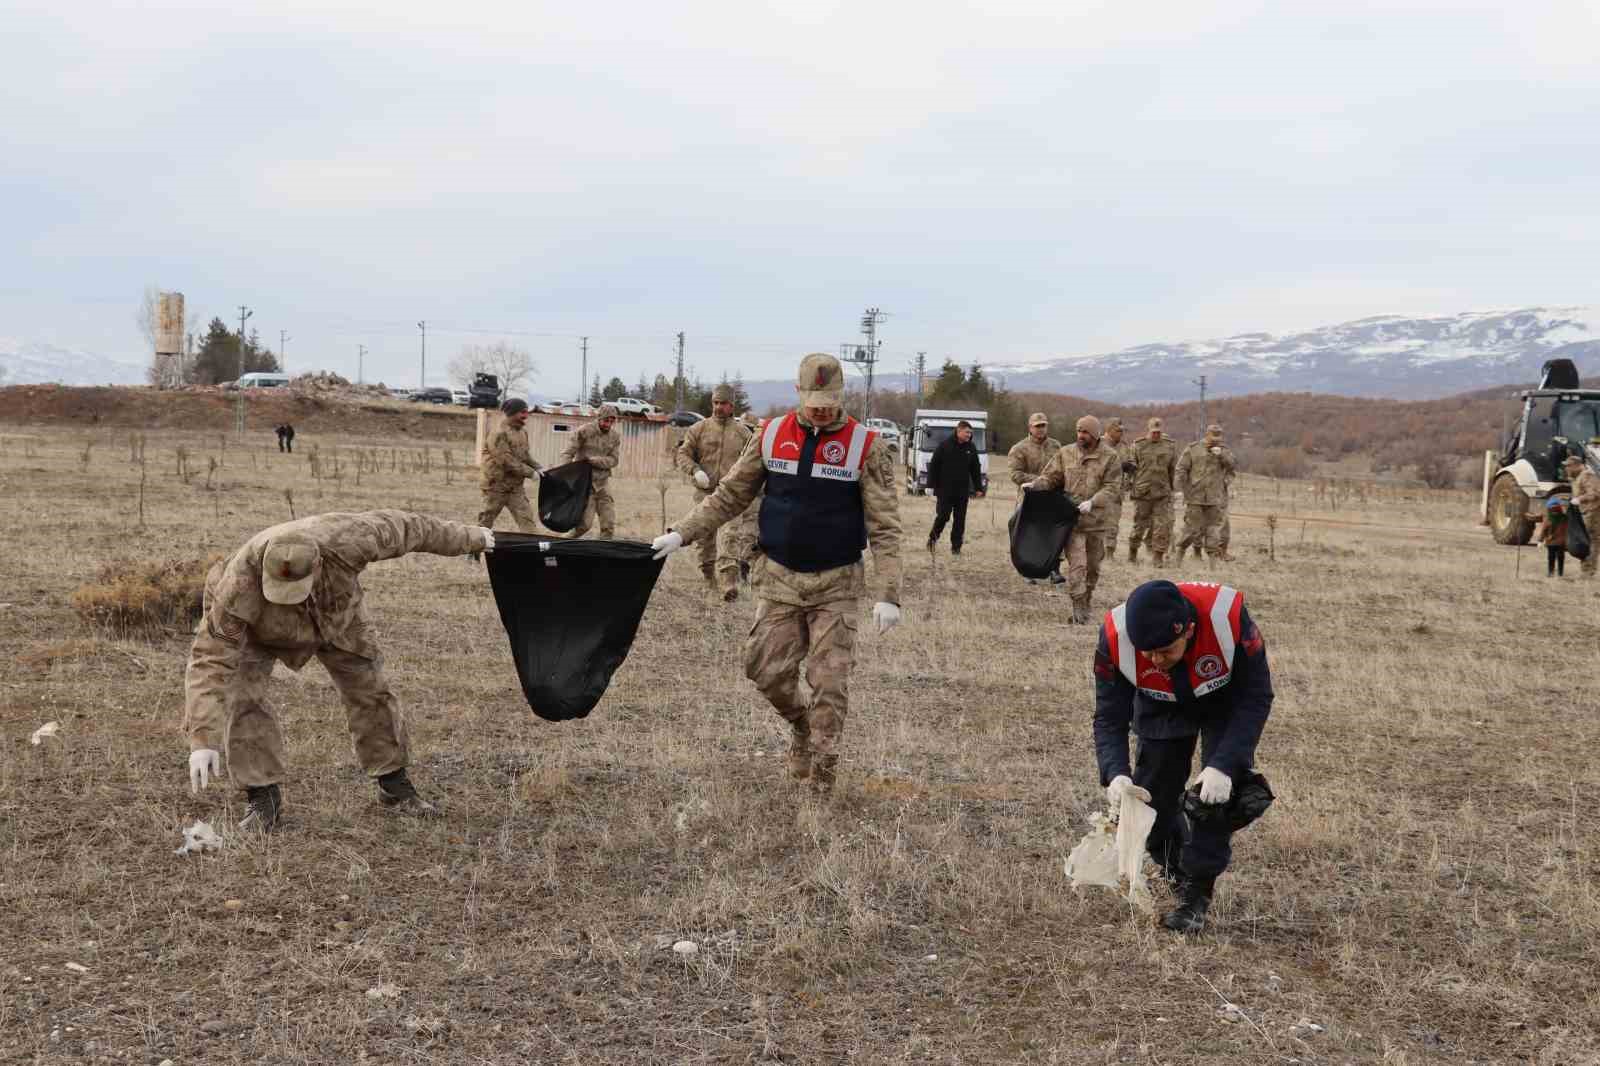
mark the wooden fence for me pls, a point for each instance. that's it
(646, 452)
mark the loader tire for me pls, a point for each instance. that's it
(1508, 512)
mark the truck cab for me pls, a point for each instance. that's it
(1558, 419)
(929, 429)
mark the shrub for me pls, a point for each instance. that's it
(1439, 471)
(143, 598)
(1275, 462)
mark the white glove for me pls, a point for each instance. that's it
(1120, 784)
(887, 615)
(1215, 786)
(1033, 486)
(666, 544)
(488, 538)
(1215, 450)
(1085, 507)
(537, 474)
(202, 764)
(702, 479)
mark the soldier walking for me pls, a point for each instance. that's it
(293, 592)
(1201, 476)
(830, 491)
(1155, 456)
(1123, 453)
(1087, 471)
(1586, 498)
(597, 444)
(708, 451)
(1027, 460)
(502, 468)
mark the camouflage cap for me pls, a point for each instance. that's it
(606, 411)
(1572, 462)
(820, 382)
(1038, 418)
(1090, 423)
(289, 568)
(513, 406)
(1113, 423)
(1214, 430)
(722, 394)
(1154, 423)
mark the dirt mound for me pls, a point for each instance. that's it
(311, 404)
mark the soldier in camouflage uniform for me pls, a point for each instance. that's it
(1225, 529)
(1123, 452)
(502, 468)
(1155, 456)
(1202, 471)
(707, 452)
(1090, 473)
(830, 491)
(1586, 498)
(1027, 460)
(599, 445)
(291, 593)
(743, 533)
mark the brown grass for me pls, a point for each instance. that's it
(130, 598)
(1424, 888)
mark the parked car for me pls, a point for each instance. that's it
(459, 397)
(485, 391)
(432, 394)
(886, 428)
(627, 405)
(685, 418)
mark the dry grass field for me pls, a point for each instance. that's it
(1423, 891)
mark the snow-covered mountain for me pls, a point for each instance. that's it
(34, 362)
(1390, 355)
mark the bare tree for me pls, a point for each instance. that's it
(513, 366)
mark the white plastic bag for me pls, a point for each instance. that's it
(1111, 854)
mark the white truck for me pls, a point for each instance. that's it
(929, 428)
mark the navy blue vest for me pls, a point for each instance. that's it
(812, 518)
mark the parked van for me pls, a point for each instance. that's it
(929, 429)
(259, 380)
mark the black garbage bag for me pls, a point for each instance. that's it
(1250, 799)
(1039, 529)
(1578, 544)
(571, 609)
(563, 495)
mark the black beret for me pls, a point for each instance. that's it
(1156, 615)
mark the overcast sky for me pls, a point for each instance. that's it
(1010, 180)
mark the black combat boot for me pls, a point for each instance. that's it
(397, 793)
(1194, 900)
(263, 804)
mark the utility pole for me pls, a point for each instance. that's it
(865, 355)
(422, 375)
(922, 374)
(283, 339)
(361, 364)
(1203, 423)
(583, 378)
(238, 414)
(680, 372)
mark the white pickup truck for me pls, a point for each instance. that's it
(929, 428)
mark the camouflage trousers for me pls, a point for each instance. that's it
(1108, 536)
(252, 738)
(1152, 524)
(1083, 554)
(824, 638)
(1591, 522)
(719, 559)
(1224, 531)
(601, 504)
(1202, 528)
(513, 500)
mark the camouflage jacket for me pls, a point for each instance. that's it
(1586, 494)
(1029, 457)
(505, 462)
(1092, 475)
(235, 611)
(712, 445)
(773, 581)
(601, 449)
(1154, 461)
(1202, 477)
(1124, 460)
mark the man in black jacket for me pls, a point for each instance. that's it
(1177, 662)
(954, 474)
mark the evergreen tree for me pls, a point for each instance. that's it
(595, 399)
(949, 388)
(217, 359)
(614, 390)
(741, 397)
